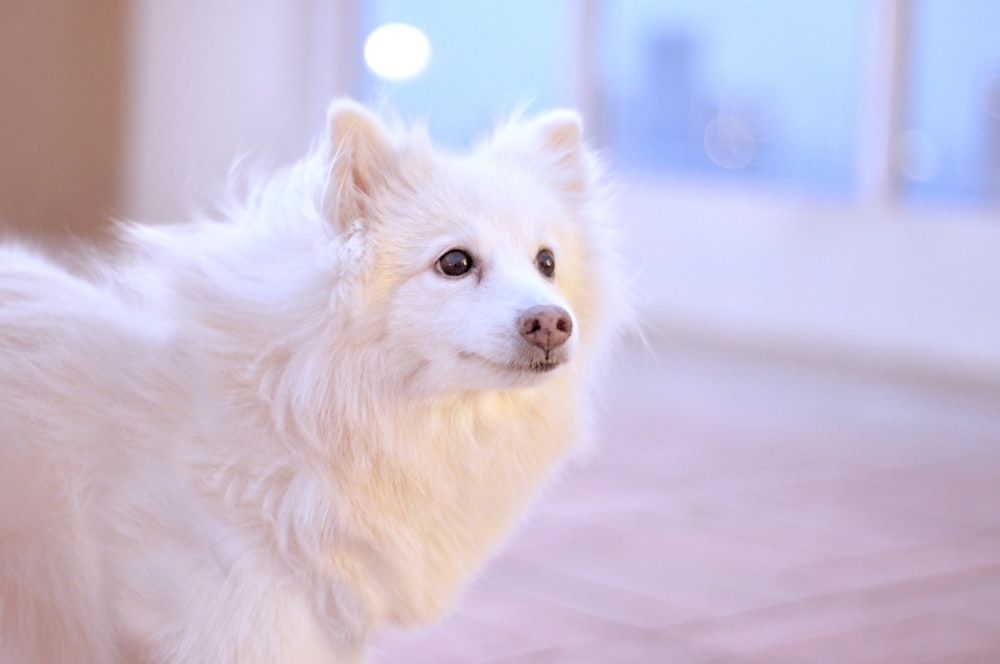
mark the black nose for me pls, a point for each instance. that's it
(547, 327)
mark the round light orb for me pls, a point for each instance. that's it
(397, 51)
(730, 142)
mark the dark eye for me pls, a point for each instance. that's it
(455, 263)
(546, 263)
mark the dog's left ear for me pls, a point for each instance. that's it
(560, 134)
(363, 162)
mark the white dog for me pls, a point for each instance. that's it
(258, 439)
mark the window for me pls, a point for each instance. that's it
(950, 148)
(772, 94)
(764, 90)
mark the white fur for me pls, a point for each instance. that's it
(260, 438)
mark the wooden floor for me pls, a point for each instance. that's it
(745, 510)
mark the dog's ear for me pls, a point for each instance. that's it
(561, 134)
(553, 141)
(363, 162)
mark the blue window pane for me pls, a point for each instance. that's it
(487, 57)
(765, 91)
(951, 149)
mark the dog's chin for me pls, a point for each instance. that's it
(526, 370)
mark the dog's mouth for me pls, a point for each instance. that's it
(535, 365)
(542, 366)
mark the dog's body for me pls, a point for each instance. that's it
(259, 439)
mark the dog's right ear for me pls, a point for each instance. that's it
(363, 162)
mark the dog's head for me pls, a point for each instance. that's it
(469, 272)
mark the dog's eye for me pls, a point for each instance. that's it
(455, 263)
(546, 263)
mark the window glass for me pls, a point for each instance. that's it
(765, 91)
(951, 149)
(487, 57)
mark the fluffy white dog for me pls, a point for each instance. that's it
(260, 438)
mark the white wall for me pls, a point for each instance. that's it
(211, 80)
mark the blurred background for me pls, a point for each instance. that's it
(823, 177)
(810, 199)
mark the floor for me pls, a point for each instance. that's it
(744, 509)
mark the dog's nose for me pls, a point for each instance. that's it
(547, 327)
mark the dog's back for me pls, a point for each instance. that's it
(77, 378)
(47, 336)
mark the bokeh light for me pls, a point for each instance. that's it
(397, 51)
